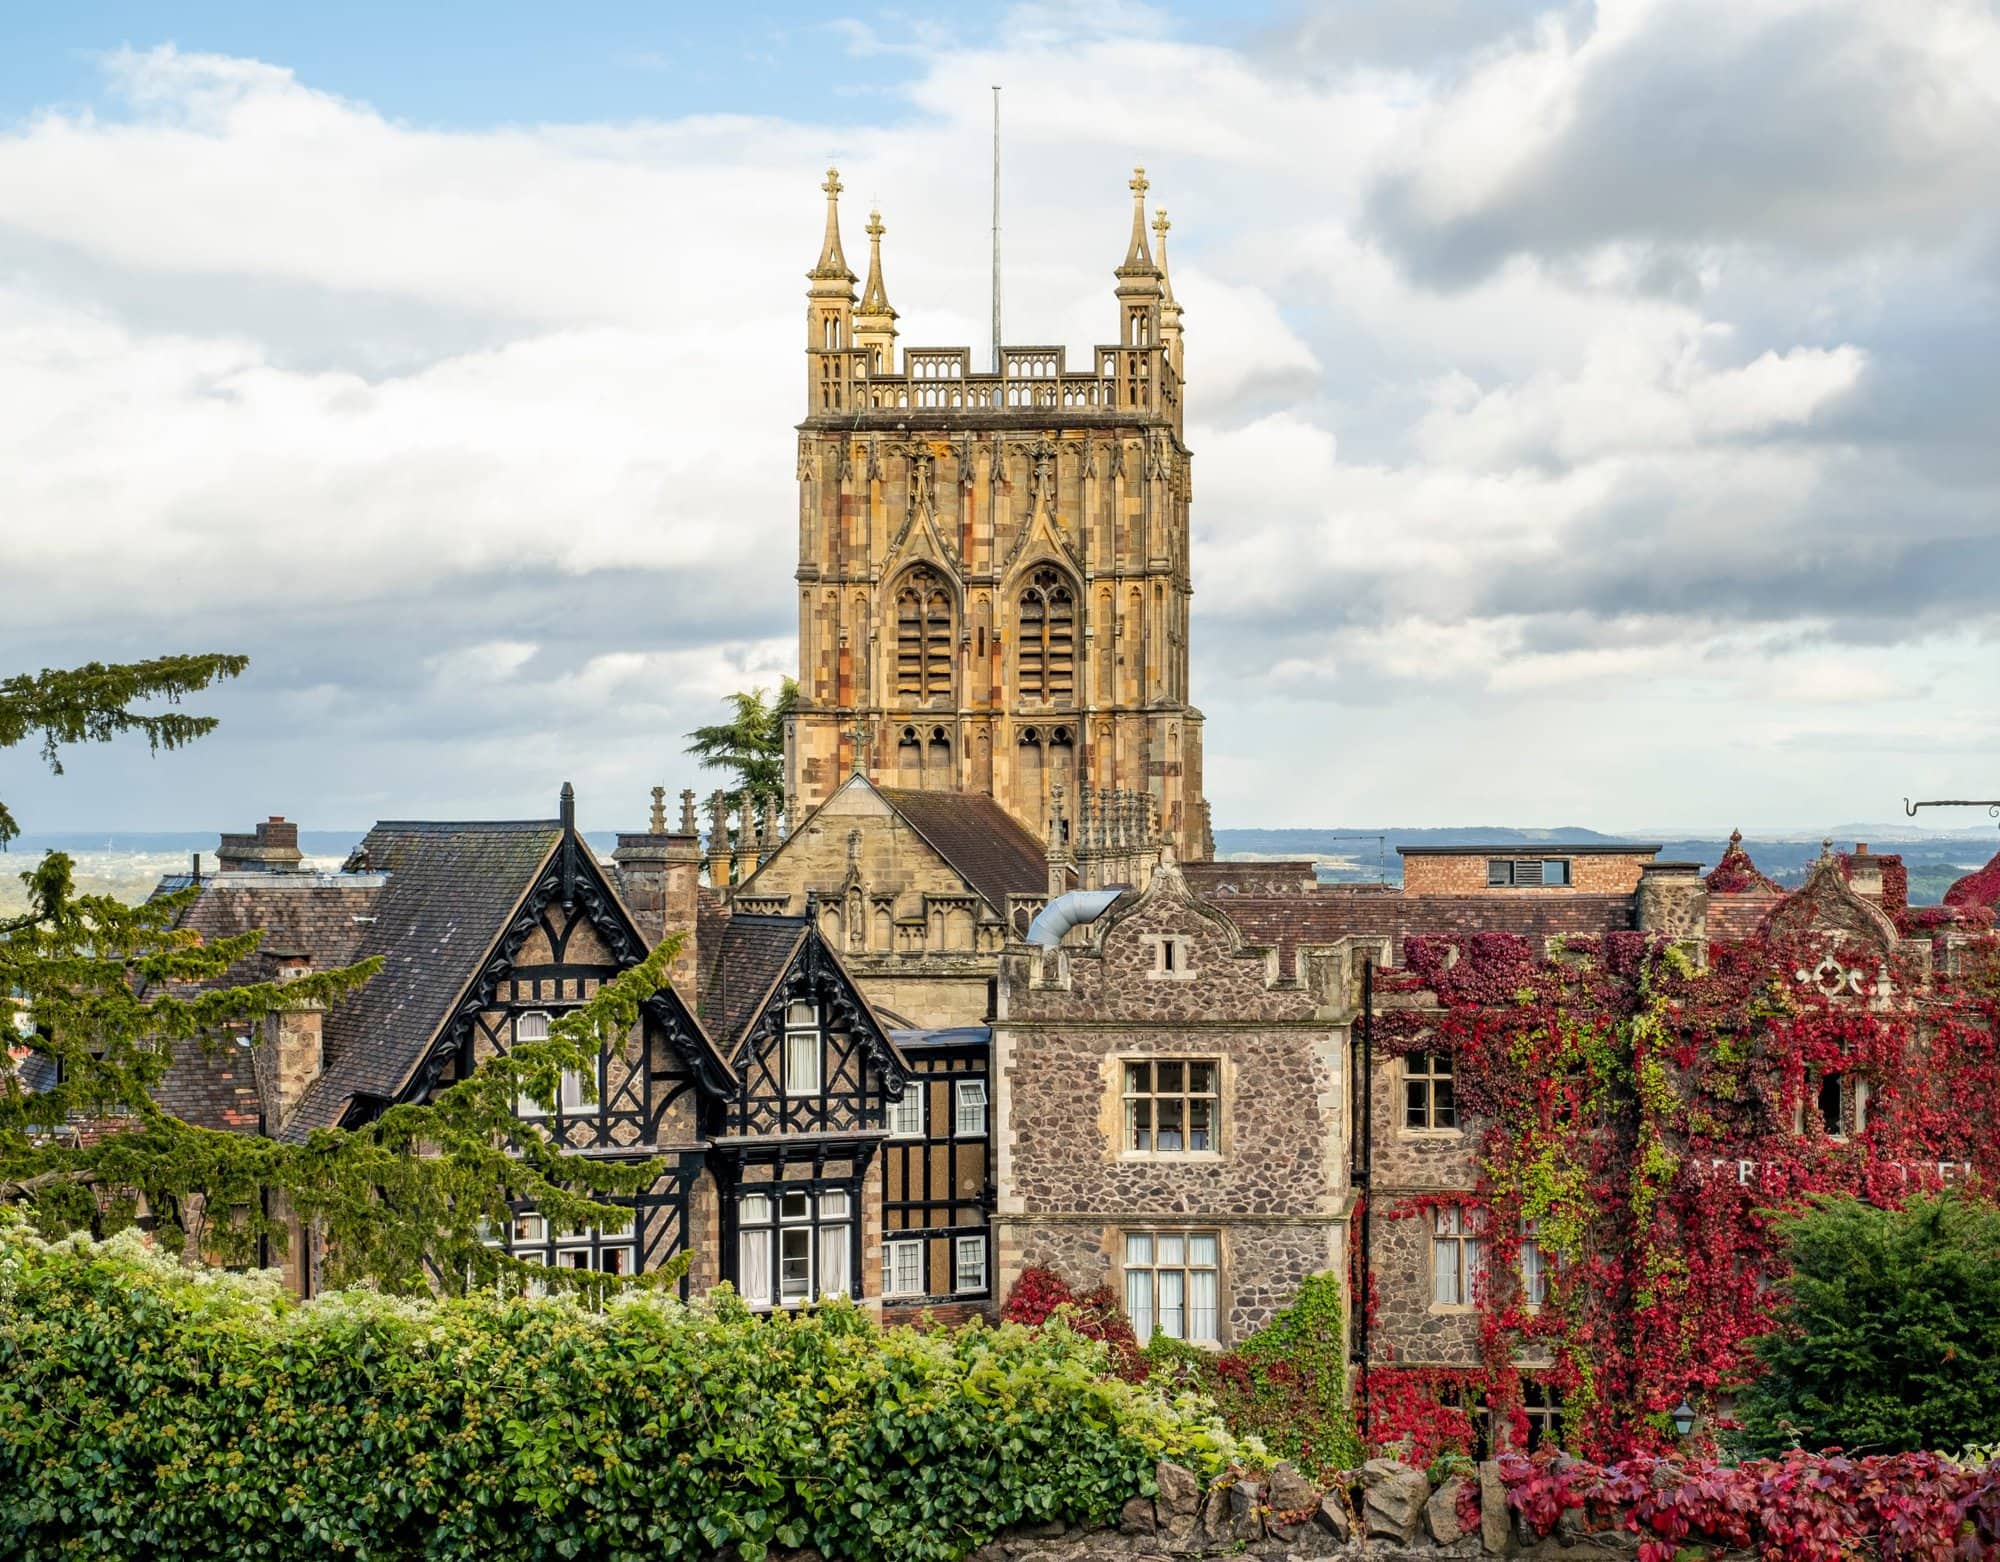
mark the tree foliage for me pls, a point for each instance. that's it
(1887, 1335)
(157, 1412)
(105, 998)
(94, 704)
(751, 744)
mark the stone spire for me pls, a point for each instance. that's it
(1170, 309)
(874, 320)
(1138, 259)
(1139, 285)
(832, 265)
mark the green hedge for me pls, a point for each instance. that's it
(149, 1410)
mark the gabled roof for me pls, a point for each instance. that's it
(451, 890)
(750, 955)
(981, 841)
(1736, 874)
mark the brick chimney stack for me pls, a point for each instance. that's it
(273, 847)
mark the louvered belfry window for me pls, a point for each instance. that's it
(923, 637)
(1048, 638)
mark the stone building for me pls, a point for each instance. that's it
(993, 563)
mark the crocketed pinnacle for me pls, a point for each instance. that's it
(1138, 259)
(874, 297)
(832, 263)
(1160, 226)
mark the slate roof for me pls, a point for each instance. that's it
(749, 954)
(451, 890)
(979, 838)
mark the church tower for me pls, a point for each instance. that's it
(993, 566)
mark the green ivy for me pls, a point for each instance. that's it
(150, 1409)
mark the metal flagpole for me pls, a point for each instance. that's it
(996, 230)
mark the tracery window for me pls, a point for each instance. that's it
(1047, 638)
(923, 637)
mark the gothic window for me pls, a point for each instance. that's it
(1429, 1102)
(1458, 1258)
(923, 637)
(1047, 638)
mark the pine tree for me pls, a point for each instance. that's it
(751, 745)
(1888, 1336)
(106, 996)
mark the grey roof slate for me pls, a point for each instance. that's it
(982, 841)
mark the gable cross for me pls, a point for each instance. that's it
(858, 735)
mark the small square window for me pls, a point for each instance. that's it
(902, 1268)
(906, 1112)
(969, 1266)
(971, 1108)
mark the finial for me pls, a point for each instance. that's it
(687, 811)
(832, 263)
(1160, 226)
(1826, 847)
(659, 810)
(566, 806)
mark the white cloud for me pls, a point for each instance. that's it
(481, 440)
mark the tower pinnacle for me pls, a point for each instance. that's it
(1136, 256)
(832, 263)
(874, 320)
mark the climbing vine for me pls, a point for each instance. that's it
(1648, 1118)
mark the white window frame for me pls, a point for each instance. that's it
(969, 1096)
(906, 1112)
(797, 1028)
(1458, 1258)
(820, 1225)
(1533, 1265)
(526, 1105)
(897, 1257)
(966, 1278)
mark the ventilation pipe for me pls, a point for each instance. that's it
(1067, 911)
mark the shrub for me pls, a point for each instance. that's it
(151, 1410)
(1286, 1385)
(1888, 1334)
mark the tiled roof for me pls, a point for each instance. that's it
(451, 890)
(979, 838)
(750, 954)
(1289, 921)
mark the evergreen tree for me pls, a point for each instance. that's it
(751, 744)
(1888, 1337)
(106, 996)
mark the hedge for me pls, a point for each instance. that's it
(152, 1410)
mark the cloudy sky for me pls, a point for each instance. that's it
(1594, 407)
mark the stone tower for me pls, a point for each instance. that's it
(993, 566)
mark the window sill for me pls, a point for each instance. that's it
(1454, 1309)
(1430, 1133)
(1170, 1157)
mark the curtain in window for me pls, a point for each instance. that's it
(1173, 1286)
(754, 1266)
(1139, 1285)
(801, 1061)
(1202, 1288)
(833, 1272)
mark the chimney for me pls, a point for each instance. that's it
(1672, 901)
(292, 1056)
(272, 847)
(659, 874)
